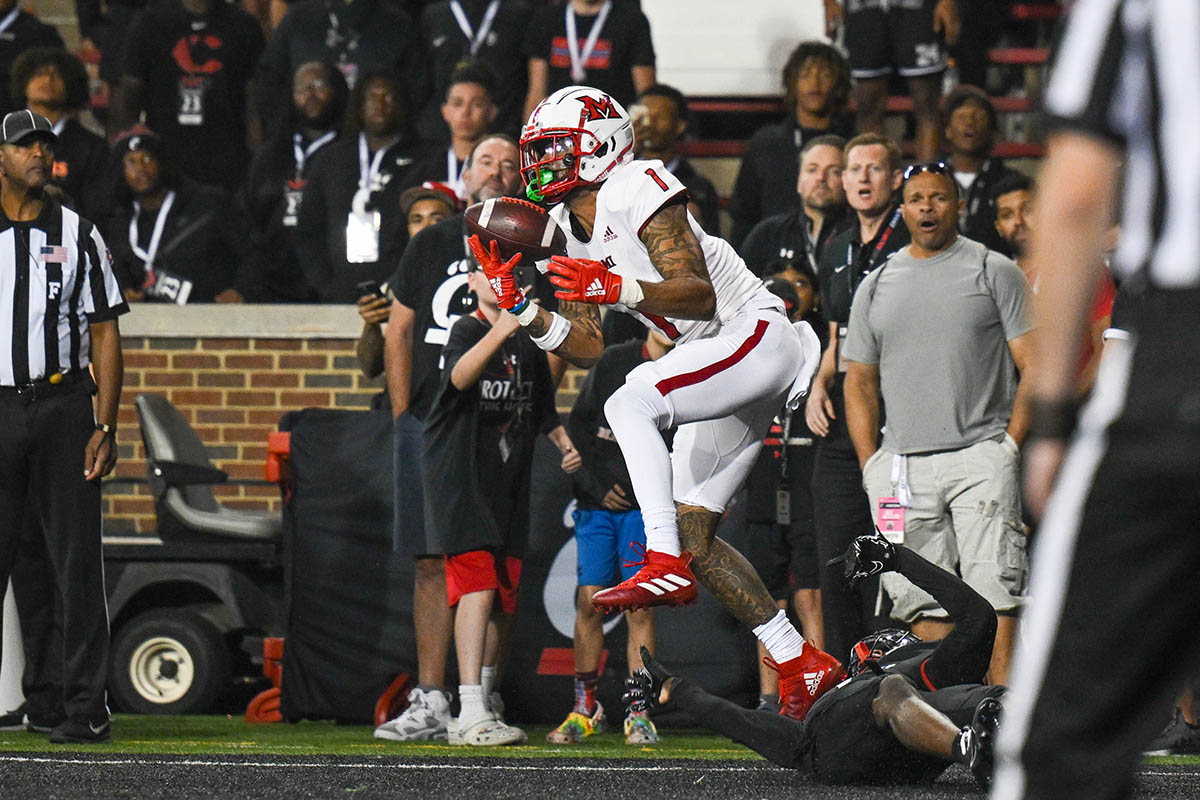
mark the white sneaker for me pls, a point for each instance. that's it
(426, 717)
(486, 731)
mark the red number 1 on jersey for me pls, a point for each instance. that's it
(650, 171)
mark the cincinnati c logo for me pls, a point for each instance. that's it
(598, 108)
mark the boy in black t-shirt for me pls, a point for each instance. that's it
(496, 396)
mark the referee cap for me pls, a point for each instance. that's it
(18, 126)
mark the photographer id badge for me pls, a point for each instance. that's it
(890, 519)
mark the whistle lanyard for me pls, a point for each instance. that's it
(368, 168)
(579, 60)
(475, 38)
(148, 255)
(302, 154)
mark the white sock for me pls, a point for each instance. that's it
(471, 700)
(636, 413)
(780, 637)
(662, 530)
(487, 677)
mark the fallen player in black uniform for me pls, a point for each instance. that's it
(909, 709)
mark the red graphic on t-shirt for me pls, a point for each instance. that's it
(601, 57)
(208, 62)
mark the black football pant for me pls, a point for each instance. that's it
(781, 740)
(42, 443)
(841, 511)
(1110, 633)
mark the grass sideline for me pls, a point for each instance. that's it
(219, 735)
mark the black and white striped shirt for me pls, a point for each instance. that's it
(56, 277)
(1129, 71)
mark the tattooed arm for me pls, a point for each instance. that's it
(686, 291)
(584, 344)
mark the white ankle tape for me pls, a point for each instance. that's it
(560, 326)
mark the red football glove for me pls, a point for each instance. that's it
(499, 274)
(583, 280)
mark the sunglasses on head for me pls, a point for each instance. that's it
(935, 167)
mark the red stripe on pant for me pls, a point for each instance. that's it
(667, 385)
(664, 325)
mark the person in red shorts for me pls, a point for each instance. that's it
(496, 397)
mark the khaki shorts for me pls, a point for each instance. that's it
(964, 515)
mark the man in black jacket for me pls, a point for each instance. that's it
(52, 82)
(350, 228)
(909, 709)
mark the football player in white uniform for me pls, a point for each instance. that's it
(632, 245)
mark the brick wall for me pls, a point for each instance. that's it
(233, 372)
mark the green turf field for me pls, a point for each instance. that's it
(215, 735)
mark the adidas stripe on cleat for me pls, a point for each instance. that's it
(804, 679)
(663, 580)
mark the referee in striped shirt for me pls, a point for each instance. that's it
(1114, 611)
(59, 304)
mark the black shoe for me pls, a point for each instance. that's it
(1177, 738)
(13, 720)
(80, 730)
(983, 732)
(644, 685)
(37, 722)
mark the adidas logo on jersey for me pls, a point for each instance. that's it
(812, 681)
(608, 234)
(594, 289)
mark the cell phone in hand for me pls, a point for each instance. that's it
(369, 287)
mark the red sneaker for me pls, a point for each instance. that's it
(805, 678)
(663, 580)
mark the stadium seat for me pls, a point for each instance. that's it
(180, 476)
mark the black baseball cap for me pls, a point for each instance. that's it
(21, 125)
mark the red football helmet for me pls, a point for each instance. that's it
(576, 136)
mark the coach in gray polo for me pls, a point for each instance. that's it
(940, 333)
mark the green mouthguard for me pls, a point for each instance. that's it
(534, 191)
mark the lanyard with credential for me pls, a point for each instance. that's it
(7, 22)
(475, 38)
(148, 255)
(579, 60)
(302, 154)
(368, 168)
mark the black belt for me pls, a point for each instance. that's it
(50, 386)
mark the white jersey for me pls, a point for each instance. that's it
(632, 194)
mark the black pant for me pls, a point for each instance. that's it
(42, 446)
(781, 740)
(1119, 553)
(41, 632)
(841, 511)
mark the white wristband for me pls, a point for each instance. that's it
(631, 293)
(560, 326)
(527, 314)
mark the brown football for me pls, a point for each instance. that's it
(518, 226)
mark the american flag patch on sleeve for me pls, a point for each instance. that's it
(53, 254)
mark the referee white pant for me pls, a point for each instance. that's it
(722, 393)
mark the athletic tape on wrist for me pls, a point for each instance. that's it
(631, 293)
(526, 313)
(560, 326)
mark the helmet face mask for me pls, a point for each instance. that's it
(575, 137)
(872, 647)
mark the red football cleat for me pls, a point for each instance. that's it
(663, 580)
(803, 679)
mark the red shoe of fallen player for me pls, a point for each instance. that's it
(663, 580)
(803, 679)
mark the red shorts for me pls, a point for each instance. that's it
(479, 570)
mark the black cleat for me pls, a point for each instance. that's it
(13, 720)
(983, 728)
(644, 686)
(80, 730)
(43, 722)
